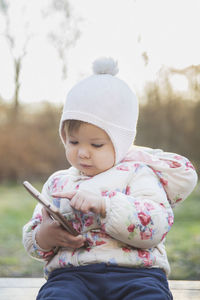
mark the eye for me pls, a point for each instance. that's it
(97, 145)
(73, 142)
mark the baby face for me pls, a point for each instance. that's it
(89, 149)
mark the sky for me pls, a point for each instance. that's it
(167, 30)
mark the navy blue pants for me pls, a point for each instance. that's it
(104, 282)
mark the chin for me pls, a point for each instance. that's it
(90, 173)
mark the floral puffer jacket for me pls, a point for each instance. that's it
(140, 193)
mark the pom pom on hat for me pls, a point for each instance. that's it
(105, 65)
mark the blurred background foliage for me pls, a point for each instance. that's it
(30, 147)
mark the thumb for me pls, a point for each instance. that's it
(45, 214)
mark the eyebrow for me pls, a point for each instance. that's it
(93, 139)
(98, 139)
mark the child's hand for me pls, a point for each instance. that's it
(84, 201)
(51, 234)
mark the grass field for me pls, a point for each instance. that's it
(16, 206)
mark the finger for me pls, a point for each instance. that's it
(75, 244)
(68, 240)
(85, 207)
(71, 245)
(68, 195)
(74, 200)
(71, 238)
(46, 217)
(77, 202)
(45, 214)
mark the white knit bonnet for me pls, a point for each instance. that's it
(107, 102)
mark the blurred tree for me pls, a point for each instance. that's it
(31, 148)
(17, 49)
(169, 120)
(62, 32)
(145, 58)
(192, 73)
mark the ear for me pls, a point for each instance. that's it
(63, 135)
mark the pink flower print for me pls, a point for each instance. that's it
(144, 218)
(148, 263)
(125, 160)
(89, 221)
(178, 157)
(161, 204)
(122, 168)
(170, 220)
(164, 235)
(125, 249)
(34, 226)
(77, 224)
(104, 193)
(64, 184)
(55, 183)
(136, 165)
(73, 252)
(156, 172)
(99, 243)
(137, 205)
(144, 254)
(178, 200)
(131, 228)
(77, 187)
(174, 164)
(109, 194)
(149, 206)
(112, 194)
(88, 249)
(189, 165)
(128, 190)
(163, 181)
(62, 262)
(38, 216)
(146, 235)
(47, 254)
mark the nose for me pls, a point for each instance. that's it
(83, 152)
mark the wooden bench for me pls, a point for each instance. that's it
(27, 289)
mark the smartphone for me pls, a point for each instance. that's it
(52, 209)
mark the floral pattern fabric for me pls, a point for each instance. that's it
(140, 193)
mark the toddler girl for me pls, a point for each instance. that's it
(118, 196)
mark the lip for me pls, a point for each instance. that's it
(85, 166)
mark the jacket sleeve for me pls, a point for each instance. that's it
(29, 232)
(175, 172)
(142, 216)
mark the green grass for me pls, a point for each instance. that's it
(183, 241)
(16, 207)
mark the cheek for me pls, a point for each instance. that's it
(107, 160)
(69, 154)
(111, 160)
(110, 156)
